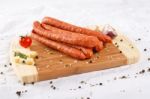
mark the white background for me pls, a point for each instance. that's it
(132, 17)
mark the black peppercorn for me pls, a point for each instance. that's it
(24, 83)
(121, 40)
(148, 70)
(145, 49)
(82, 82)
(141, 72)
(79, 87)
(100, 83)
(36, 57)
(90, 61)
(18, 93)
(54, 87)
(32, 83)
(88, 98)
(1, 73)
(23, 61)
(51, 82)
(123, 77)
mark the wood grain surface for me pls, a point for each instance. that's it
(53, 64)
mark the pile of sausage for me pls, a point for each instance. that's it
(77, 42)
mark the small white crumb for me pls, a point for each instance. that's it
(75, 61)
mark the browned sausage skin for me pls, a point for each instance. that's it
(87, 52)
(73, 52)
(69, 27)
(73, 38)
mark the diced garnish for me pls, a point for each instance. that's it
(17, 58)
(21, 55)
(33, 54)
(29, 61)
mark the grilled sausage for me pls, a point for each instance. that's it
(69, 27)
(68, 37)
(73, 52)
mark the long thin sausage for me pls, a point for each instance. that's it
(69, 27)
(88, 52)
(73, 52)
(69, 37)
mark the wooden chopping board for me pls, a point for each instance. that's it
(53, 64)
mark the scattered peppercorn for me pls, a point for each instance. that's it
(79, 87)
(24, 83)
(32, 83)
(100, 83)
(5, 65)
(121, 40)
(82, 82)
(139, 39)
(115, 43)
(132, 47)
(90, 61)
(148, 59)
(1, 73)
(18, 93)
(148, 70)
(123, 77)
(145, 49)
(141, 72)
(51, 82)
(10, 64)
(36, 57)
(54, 87)
(88, 98)
(23, 61)
(120, 52)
